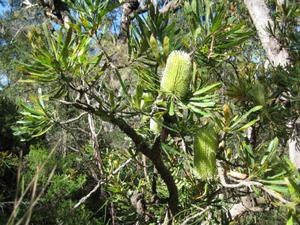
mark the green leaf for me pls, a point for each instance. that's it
(65, 48)
(258, 93)
(252, 122)
(218, 19)
(294, 189)
(31, 110)
(40, 133)
(271, 151)
(199, 111)
(207, 89)
(204, 98)
(203, 104)
(138, 96)
(290, 221)
(278, 188)
(245, 116)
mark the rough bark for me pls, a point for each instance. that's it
(128, 8)
(55, 9)
(134, 6)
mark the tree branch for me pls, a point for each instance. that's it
(83, 199)
(247, 202)
(73, 119)
(143, 147)
(172, 5)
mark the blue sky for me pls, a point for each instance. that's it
(4, 7)
(3, 80)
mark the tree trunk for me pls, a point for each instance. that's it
(260, 15)
(128, 8)
(277, 55)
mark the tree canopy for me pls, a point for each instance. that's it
(150, 112)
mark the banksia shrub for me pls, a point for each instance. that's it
(177, 75)
(205, 149)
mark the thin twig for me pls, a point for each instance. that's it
(16, 34)
(30, 210)
(73, 119)
(19, 201)
(195, 216)
(94, 138)
(242, 183)
(247, 183)
(83, 199)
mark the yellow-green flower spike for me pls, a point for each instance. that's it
(177, 76)
(205, 149)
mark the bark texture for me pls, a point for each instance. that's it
(128, 8)
(260, 15)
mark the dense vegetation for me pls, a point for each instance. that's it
(149, 112)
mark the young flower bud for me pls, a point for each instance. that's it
(227, 113)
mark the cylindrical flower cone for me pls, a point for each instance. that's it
(205, 150)
(177, 75)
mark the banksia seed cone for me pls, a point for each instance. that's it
(177, 75)
(205, 149)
